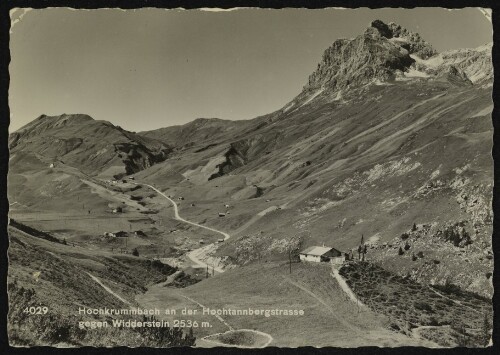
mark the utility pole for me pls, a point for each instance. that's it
(290, 259)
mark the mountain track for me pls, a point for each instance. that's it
(193, 255)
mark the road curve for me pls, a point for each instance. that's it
(193, 255)
(176, 213)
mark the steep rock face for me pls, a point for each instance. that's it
(376, 54)
(475, 63)
(245, 150)
(358, 61)
(410, 41)
(455, 76)
(235, 157)
(385, 53)
(137, 157)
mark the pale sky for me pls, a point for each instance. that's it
(151, 68)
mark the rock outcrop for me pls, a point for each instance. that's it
(475, 63)
(376, 54)
(388, 52)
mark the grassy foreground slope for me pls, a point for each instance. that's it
(64, 278)
(330, 318)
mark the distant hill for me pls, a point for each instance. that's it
(201, 130)
(94, 147)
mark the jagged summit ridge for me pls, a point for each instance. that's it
(388, 52)
(376, 54)
(475, 63)
(410, 41)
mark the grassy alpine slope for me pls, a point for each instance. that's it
(63, 278)
(391, 142)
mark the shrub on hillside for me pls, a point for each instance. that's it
(183, 280)
(423, 306)
(161, 267)
(458, 238)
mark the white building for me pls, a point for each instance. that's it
(319, 254)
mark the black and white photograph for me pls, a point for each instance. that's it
(250, 177)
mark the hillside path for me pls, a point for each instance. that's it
(110, 291)
(317, 298)
(452, 300)
(345, 287)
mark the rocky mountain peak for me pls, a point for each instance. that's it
(376, 54)
(382, 28)
(411, 41)
(387, 52)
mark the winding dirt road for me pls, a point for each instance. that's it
(195, 254)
